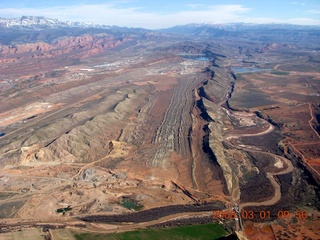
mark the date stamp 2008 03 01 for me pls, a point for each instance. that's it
(249, 214)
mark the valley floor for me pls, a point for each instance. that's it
(128, 130)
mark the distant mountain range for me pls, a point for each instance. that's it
(258, 32)
(26, 22)
(28, 29)
(32, 29)
(241, 26)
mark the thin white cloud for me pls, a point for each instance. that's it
(230, 8)
(297, 21)
(304, 21)
(131, 17)
(313, 11)
(297, 3)
(194, 5)
(113, 14)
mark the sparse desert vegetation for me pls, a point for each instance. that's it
(120, 130)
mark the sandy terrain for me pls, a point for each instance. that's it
(136, 128)
(101, 133)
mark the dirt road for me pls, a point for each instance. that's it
(288, 167)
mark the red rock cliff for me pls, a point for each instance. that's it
(76, 47)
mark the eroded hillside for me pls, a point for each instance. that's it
(114, 126)
(131, 125)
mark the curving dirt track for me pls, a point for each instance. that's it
(269, 130)
(288, 167)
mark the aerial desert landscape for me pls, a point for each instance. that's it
(107, 130)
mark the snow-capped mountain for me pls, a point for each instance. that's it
(41, 22)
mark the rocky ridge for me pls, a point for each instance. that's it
(85, 143)
(79, 47)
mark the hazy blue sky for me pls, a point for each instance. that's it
(165, 13)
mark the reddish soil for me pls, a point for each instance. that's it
(258, 231)
(293, 109)
(161, 104)
(41, 54)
